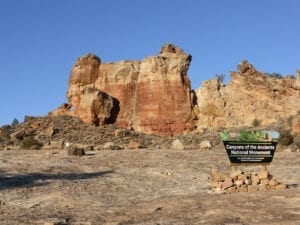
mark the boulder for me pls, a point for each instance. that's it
(177, 144)
(19, 135)
(74, 151)
(204, 145)
(296, 140)
(55, 144)
(133, 145)
(108, 145)
(97, 107)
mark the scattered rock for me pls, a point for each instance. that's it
(18, 135)
(226, 183)
(296, 139)
(49, 131)
(235, 174)
(133, 145)
(280, 186)
(55, 144)
(263, 175)
(89, 148)
(205, 145)
(108, 145)
(177, 144)
(239, 181)
(74, 151)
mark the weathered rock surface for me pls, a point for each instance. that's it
(154, 95)
(251, 98)
(240, 181)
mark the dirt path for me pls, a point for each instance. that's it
(137, 187)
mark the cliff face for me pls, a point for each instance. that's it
(152, 96)
(250, 98)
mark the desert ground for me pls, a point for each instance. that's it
(143, 186)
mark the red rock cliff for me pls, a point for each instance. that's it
(153, 95)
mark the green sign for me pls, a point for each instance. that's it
(250, 146)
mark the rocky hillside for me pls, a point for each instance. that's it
(252, 98)
(55, 131)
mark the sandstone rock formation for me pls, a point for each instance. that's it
(251, 98)
(151, 96)
(154, 95)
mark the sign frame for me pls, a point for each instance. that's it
(250, 147)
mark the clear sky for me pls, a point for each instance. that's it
(41, 39)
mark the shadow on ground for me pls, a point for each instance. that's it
(39, 179)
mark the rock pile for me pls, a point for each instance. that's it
(239, 181)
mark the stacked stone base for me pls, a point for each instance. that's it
(239, 181)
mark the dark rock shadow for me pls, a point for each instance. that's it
(8, 181)
(114, 111)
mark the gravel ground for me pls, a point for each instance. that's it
(157, 187)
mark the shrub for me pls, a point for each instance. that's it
(15, 122)
(297, 140)
(289, 121)
(30, 142)
(255, 123)
(275, 75)
(285, 138)
(220, 77)
(115, 147)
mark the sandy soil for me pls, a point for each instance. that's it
(156, 187)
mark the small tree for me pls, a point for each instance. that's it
(15, 122)
(220, 77)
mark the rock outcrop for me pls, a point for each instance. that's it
(152, 96)
(251, 98)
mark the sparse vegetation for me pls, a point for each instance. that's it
(220, 77)
(255, 123)
(15, 122)
(285, 138)
(31, 143)
(116, 147)
(275, 75)
(296, 140)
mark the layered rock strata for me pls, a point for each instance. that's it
(251, 98)
(152, 96)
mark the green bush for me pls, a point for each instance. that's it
(31, 143)
(285, 138)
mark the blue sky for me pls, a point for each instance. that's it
(41, 39)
